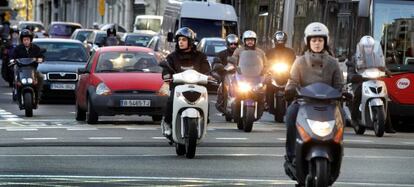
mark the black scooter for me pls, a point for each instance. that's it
(25, 90)
(319, 139)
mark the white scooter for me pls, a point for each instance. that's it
(190, 111)
(373, 105)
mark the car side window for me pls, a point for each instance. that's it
(90, 62)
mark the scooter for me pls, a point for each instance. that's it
(319, 140)
(7, 71)
(190, 110)
(24, 90)
(280, 74)
(373, 105)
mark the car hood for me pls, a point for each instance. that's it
(131, 81)
(60, 66)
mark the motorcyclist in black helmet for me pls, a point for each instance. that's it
(27, 49)
(184, 57)
(7, 51)
(111, 38)
(232, 42)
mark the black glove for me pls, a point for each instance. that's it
(357, 78)
(347, 96)
(290, 94)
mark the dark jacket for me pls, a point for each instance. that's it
(181, 61)
(32, 52)
(222, 55)
(315, 67)
(281, 53)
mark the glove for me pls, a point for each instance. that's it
(290, 95)
(347, 96)
(356, 78)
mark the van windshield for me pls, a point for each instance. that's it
(210, 28)
(148, 24)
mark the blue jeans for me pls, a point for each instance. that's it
(291, 114)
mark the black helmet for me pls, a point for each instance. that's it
(26, 33)
(14, 29)
(186, 32)
(111, 31)
(232, 38)
(279, 37)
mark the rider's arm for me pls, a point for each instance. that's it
(295, 76)
(204, 65)
(338, 78)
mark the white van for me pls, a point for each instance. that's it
(148, 23)
(206, 19)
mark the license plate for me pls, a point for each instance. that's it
(62, 86)
(135, 103)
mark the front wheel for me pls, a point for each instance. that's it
(319, 173)
(280, 108)
(80, 113)
(91, 115)
(191, 138)
(379, 120)
(248, 119)
(28, 104)
(179, 149)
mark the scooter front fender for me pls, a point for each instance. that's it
(376, 102)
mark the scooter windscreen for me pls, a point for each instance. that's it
(25, 61)
(369, 56)
(320, 91)
(250, 64)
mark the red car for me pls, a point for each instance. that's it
(120, 80)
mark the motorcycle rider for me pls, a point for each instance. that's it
(184, 57)
(111, 38)
(356, 80)
(27, 49)
(280, 51)
(316, 65)
(7, 51)
(232, 42)
(249, 40)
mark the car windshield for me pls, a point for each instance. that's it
(62, 29)
(127, 62)
(137, 40)
(100, 38)
(36, 26)
(82, 35)
(62, 51)
(216, 28)
(148, 24)
(213, 47)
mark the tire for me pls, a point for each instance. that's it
(228, 118)
(179, 149)
(80, 113)
(192, 136)
(358, 128)
(379, 120)
(156, 118)
(248, 119)
(236, 115)
(91, 115)
(28, 104)
(320, 173)
(280, 110)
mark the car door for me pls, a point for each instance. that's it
(83, 82)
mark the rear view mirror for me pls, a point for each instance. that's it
(170, 37)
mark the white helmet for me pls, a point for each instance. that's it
(316, 29)
(366, 41)
(249, 34)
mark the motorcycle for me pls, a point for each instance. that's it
(319, 143)
(373, 106)
(246, 91)
(190, 110)
(280, 74)
(25, 90)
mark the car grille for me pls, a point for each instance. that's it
(62, 76)
(135, 92)
(191, 96)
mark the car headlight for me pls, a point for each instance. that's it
(321, 128)
(280, 67)
(102, 89)
(244, 87)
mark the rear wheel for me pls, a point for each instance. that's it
(191, 139)
(28, 104)
(91, 115)
(379, 120)
(280, 109)
(248, 119)
(179, 149)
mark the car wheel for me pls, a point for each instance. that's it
(80, 113)
(91, 115)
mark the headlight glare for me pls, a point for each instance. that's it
(321, 128)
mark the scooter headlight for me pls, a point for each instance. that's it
(29, 80)
(244, 87)
(321, 128)
(280, 67)
(24, 81)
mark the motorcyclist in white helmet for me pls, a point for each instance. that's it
(249, 40)
(316, 65)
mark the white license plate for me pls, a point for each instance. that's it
(135, 103)
(62, 86)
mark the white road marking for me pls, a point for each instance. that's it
(42, 120)
(159, 138)
(281, 139)
(81, 129)
(9, 116)
(409, 143)
(39, 138)
(5, 113)
(105, 138)
(231, 138)
(20, 129)
(364, 141)
(8, 93)
(141, 129)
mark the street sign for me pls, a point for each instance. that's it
(101, 7)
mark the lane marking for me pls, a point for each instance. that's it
(159, 138)
(409, 143)
(81, 129)
(141, 129)
(20, 129)
(364, 141)
(39, 138)
(231, 138)
(281, 139)
(105, 138)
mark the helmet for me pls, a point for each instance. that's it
(366, 41)
(26, 33)
(186, 32)
(279, 37)
(316, 29)
(111, 30)
(249, 34)
(232, 38)
(14, 29)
